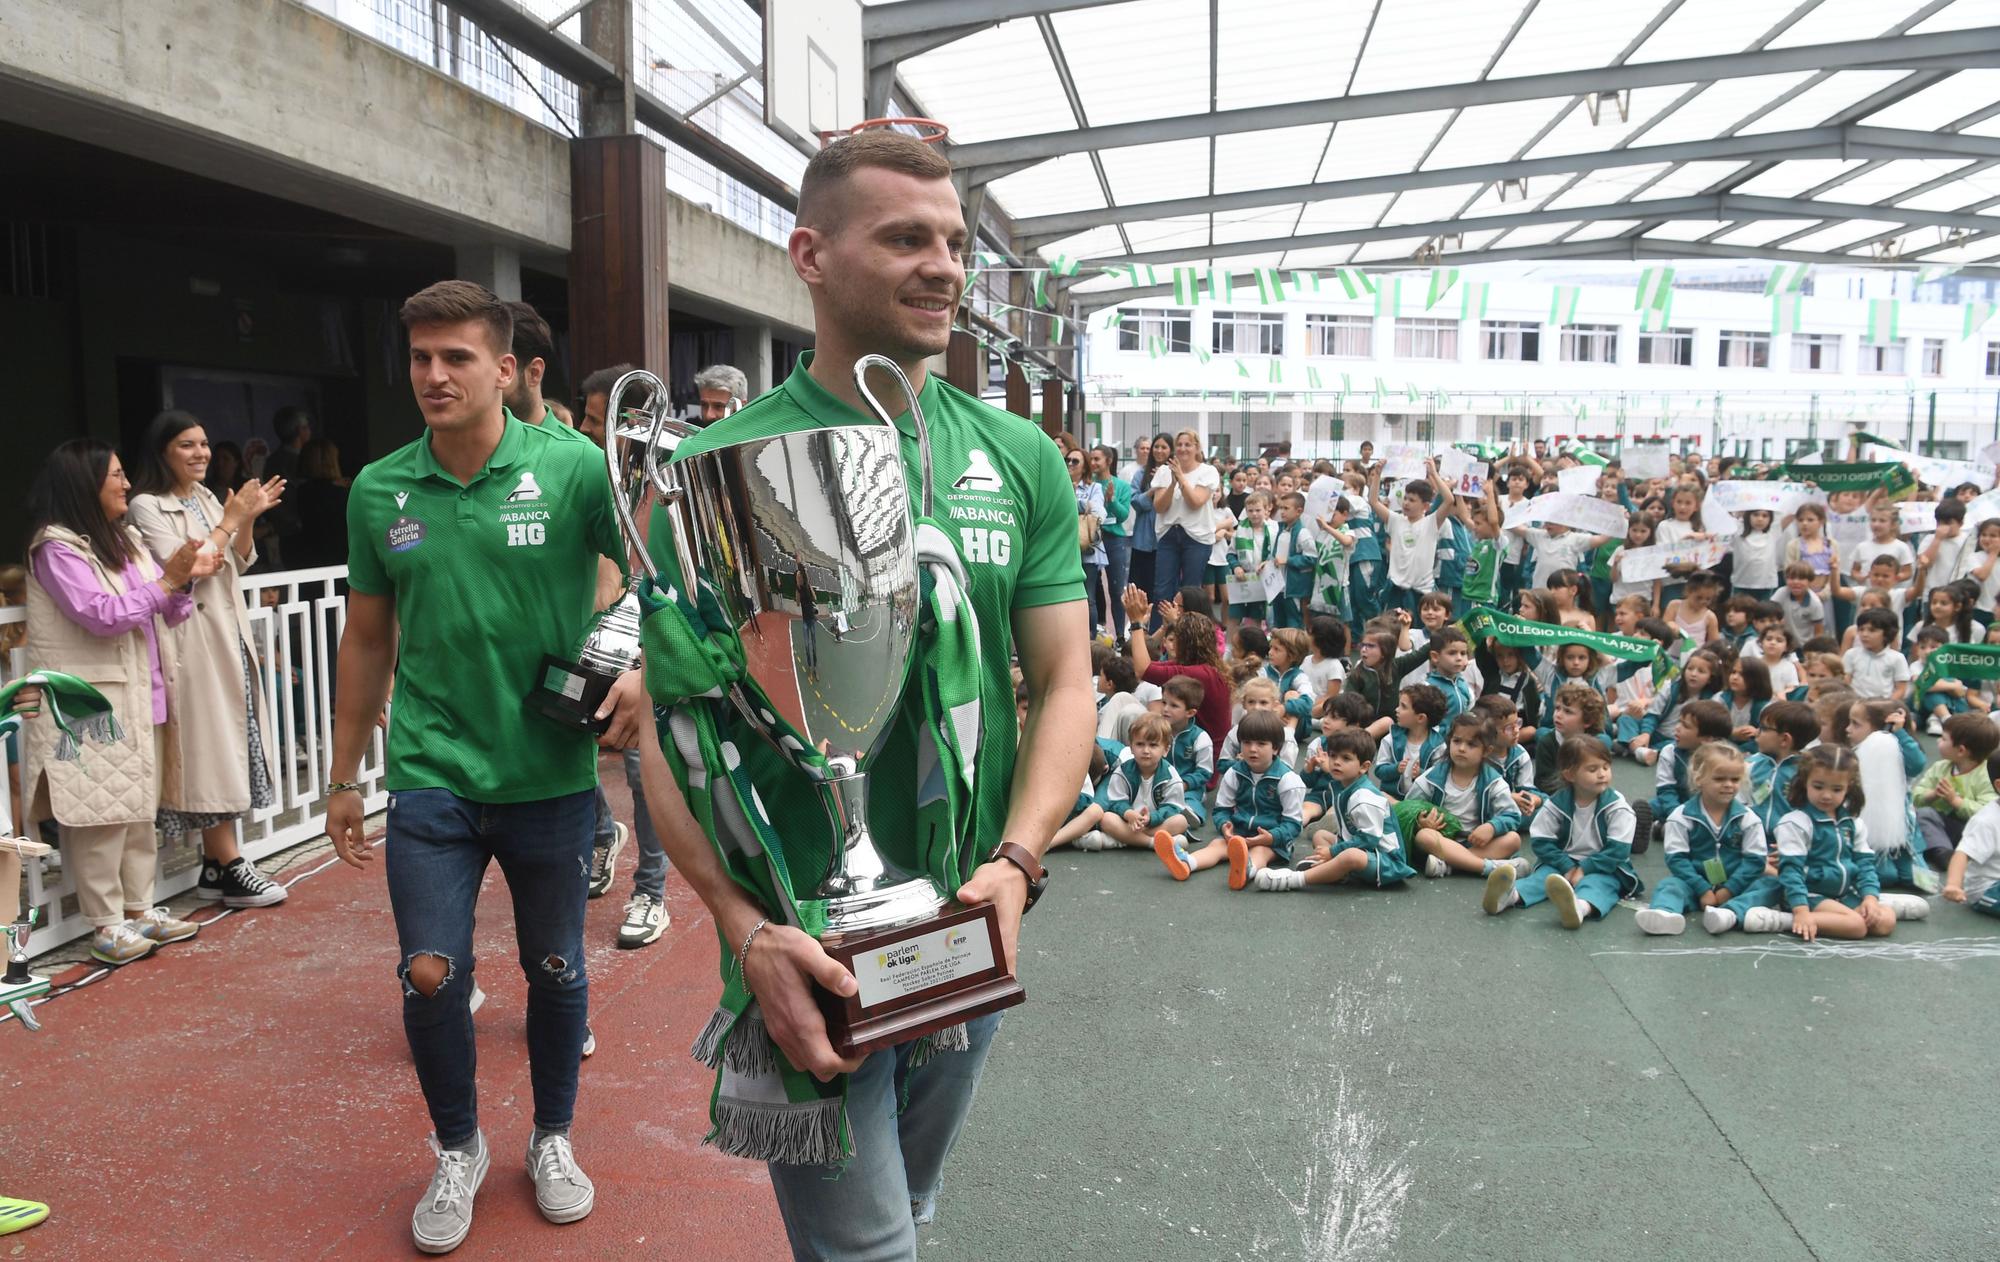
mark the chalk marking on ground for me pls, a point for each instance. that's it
(1938, 951)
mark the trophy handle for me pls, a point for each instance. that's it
(655, 411)
(895, 370)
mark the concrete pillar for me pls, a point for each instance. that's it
(618, 253)
(498, 267)
(753, 356)
(607, 109)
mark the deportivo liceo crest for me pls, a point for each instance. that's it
(979, 474)
(529, 489)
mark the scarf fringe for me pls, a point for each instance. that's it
(953, 1038)
(742, 1044)
(803, 1134)
(707, 1046)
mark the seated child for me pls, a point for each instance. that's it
(1785, 731)
(1955, 788)
(1700, 722)
(1446, 654)
(1749, 691)
(1371, 679)
(1583, 836)
(1874, 731)
(1826, 872)
(1776, 645)
(1413, 743)
(1117, 702)
(1578, 712)
(1509, 676)
(1333, 714)
(1715, 845)
(1973, 875)
(1878, 671)
(1084, 815)
(1823, 672)
(1257, 696)
(1256, 805)
(1700, 678)
(1191, 752)
(1143, 797)
(1509, 754)
(1285, 667)
(1361, 847)
(1461, 814)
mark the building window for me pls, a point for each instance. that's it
(1340, 336)
(1590, 343)
(1743, 349)
(1173, 327)
(1427, 429)
(1993, 359)
(1942, 450)
(1426, 339)
(1510, 339)
(1815, 352)
(1883, 359)
(1932, 363)
(1249, 333)
(1673, 347)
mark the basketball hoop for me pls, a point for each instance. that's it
(937, 133)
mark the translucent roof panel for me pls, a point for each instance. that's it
(1982, 183)
(1763, 231)
(1600, 229)
(1343, 212)
(1168, 234)
(1380, 146)
(1425, 204)
(1684, 229)
(1823, 100)
(1269, 159)
(1887, 181)
(1960, 15)
(1964, 93)
(1721, 106)
(1150, 173)
(1065, 183)
(1571, 35)
(1145, 59)
(1688, 179)
(1011, 53)
(1578, 134)
(1394, 250)
(1419, 43)
(1257, 225)
(1482, 133)
(1789, 179)
(1265, 55)
(1536, 234)
(1842, 235)
(1322, 256)
(1707, 28)
(1599, 188)
(1094, 243)
(1832, 21)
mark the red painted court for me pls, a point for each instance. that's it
(249, 1095)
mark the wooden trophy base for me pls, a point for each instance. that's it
(571, 695)
(918, 979)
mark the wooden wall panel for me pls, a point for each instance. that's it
(618, 254)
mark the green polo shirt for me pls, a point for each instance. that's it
(553, 426)
(1003, 495)
(487, 577)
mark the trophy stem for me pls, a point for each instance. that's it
(863, 890)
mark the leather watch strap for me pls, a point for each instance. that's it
(1031, 867)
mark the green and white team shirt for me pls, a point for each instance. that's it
(487, 576)
(1004, 497)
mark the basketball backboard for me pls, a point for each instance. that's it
(815, 69)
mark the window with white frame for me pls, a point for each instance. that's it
(1249, 333)
(1886, 358)
(1510, 340)
(1426, 339)
(1740, 348)
(1815, 352)
(1993, 359)
(1590, 343)
(1931, 362)
(1340, 336)
(1669, 347)
(1174, 327)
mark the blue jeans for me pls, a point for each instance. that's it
(1180, 561)
(868, 1211)
(1117, 570)
(1093, 587)
(650, 877)
(436, 855)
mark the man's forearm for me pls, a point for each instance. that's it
(688, 847)
(1055, 750)
(363, 674)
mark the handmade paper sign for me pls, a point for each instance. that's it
(1581, 512)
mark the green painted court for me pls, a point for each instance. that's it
(1201, 1074)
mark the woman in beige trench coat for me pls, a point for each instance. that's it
(218, 738)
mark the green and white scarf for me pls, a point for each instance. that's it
(763, 1107)
(78, 710)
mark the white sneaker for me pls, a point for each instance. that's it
(1569, 908)
(478, 998)
(163, 927)
(1766, 920)
(1658, 920)
(589, 1042)
(645, 920)
(1935, 727)
(1095, 840)
(1906, 906)
(1435, 867)
(1718, 919)
(1500, 894)
(444, 1212)
(120, 944)
(563, 1192)
(1277, 879)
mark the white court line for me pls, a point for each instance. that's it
(1939, 951)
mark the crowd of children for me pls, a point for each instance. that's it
(1439, 680)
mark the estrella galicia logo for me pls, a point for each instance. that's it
(405, 533)
(529, 489)
(979, 474)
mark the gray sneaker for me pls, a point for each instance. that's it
(444, 1213)
(563, 1192)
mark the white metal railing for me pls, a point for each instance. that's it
(296, 618)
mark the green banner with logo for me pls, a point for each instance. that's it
(1896, 479)
(1958, 661)
(1485, 623)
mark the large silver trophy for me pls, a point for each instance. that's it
(572, 689)
(806, 543)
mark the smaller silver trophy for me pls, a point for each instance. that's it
(19, 985)
(572, 689)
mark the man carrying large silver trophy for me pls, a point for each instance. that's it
(849, 564)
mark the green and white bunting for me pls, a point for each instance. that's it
(1562, 304)
(1388, 296)
(1381, 389)
(1976, 316)
(1277, 372)
(1304, 283)
(1785, 310)
(1242, 369)
(1312, 378)
(1134, 273)
(1039, 280)
(1472, 300)
(1885, 321)
(1442, 279)
(1354, 281)
(1786, 278)
(1925, 275)
(1221, 285)
(1270, 285)
(1656, 287)
(1063, 265)
(1656, 319)
(1187, 286)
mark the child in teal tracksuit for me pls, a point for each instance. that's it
(1700, 722)
(1414, 743)
(1143, 796)
(1258, 804)
(1360, 845)
(1472, 796)
(1191, 752)
(1298, 557)
(1783, 732)
(1285, 667)
(1714, 844)
(1583, 836)
(1826, 869)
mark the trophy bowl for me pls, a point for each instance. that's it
(806, 543)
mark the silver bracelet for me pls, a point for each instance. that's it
(744, 952)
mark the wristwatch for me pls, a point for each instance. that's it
(1031, 867)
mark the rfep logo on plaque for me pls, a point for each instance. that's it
(807, 545)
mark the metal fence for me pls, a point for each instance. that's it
(296, 619)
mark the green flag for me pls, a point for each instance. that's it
(1354, 281)
(1656, 319)
(1442, 279)
(1472, 300)
(1312, 378)
(1221, 285)
(1925, 275)
(1897, 480)
(1304, 283)
(1242, 369)
(1655, 283)
(1277, 371)
(1885, 320)
(1388, 296)
(1785, 312)
(1485, 623)
(1187, 286)
(1134, 273)
(1786, 278)
(1976, 315)
(1270, 286)
(1958, 661)
(1562, 304)
(1040, 279)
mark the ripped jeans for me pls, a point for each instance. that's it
(436, 854)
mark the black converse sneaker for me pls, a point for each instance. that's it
(242, 885)
(209, 888)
